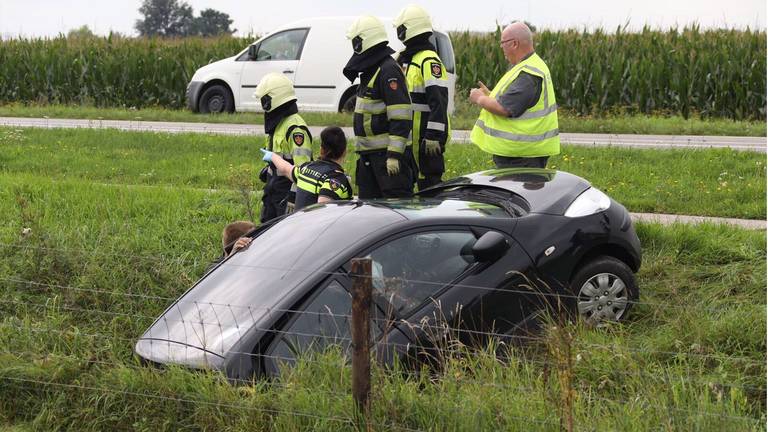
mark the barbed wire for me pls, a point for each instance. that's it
(691, 413)
(344, 338)
(441, 328)
(274, 411)
(417, 348)
(533, 289)
(385, 321)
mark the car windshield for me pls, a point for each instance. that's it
(228, 301)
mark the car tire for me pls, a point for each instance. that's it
(216, 99)
(605, 289)
(349, 104)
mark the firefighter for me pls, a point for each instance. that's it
(382, 119)
(428, 86)
(288, 136)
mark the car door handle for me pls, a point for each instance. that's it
(287, 71)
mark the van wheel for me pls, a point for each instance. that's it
(217, 99)
(349, 105)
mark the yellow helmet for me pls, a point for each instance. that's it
(274, 90)
(366, 32)
(413, 20)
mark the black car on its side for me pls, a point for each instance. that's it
(480, 253)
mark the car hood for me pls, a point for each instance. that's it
(210, 68)
(546, 191)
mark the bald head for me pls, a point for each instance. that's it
(517, 41)
(518, 30)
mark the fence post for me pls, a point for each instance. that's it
(361, 334)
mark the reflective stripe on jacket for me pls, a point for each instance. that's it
(428, 86)
(382, 119)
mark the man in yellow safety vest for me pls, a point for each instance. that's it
(518, 120)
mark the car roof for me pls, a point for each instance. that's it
(545, 191)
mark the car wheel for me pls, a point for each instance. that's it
(349, 105)
(216, 99)
(606, 288)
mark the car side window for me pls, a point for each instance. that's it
(408, 271)
(286, 45)
(323, 321)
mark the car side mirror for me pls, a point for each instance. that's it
(490, 247)
(252, 50)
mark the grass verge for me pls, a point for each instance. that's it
(726, 183)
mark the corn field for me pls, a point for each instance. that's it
(107, 71)
(715, 73)
(712, 73)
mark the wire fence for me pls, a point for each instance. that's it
(252, 334)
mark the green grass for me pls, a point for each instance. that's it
(463, 118)
(725, 183)
(691, 356)
(120, 224)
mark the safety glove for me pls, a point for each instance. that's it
(266, 155)
(431, 147)
(393, 166)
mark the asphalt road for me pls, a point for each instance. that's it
(755, 144)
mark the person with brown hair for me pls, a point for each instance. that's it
(233, 238)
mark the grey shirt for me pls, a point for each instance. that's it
(522, 94)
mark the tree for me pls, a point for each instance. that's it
(212, 23)
(82, 32)
(165, 18)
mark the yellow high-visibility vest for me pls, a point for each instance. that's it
(535, 133)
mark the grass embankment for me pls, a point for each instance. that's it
(463, 118)
(100, 261)
(720, 182)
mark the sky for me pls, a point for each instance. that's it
(41, 18)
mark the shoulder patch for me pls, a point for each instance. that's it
(298, 138)
(436, 68)
(392, 82)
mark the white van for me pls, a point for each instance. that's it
(311, 52)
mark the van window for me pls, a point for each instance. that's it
(286, 45)
(445, 50)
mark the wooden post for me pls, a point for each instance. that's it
(361, 334)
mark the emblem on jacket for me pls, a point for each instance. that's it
(437, 70)
(298, 138)
(392, 83)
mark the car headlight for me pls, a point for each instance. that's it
(591, 201)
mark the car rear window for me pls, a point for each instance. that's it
(228, 301)
(419, 208)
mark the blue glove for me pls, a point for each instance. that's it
(267, 157)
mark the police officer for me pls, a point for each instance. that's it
(428, 86)
(287, 135)
(382, 119)
(322, 180)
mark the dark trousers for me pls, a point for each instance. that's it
(429, 181)
(520, 162)
(372, 178)
(275, 198)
